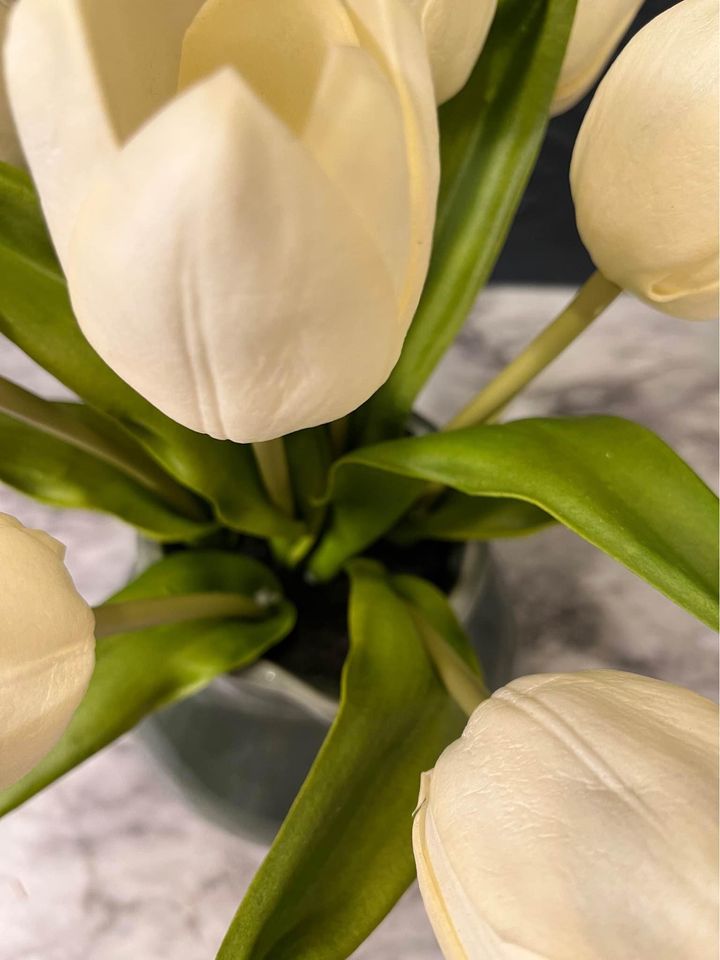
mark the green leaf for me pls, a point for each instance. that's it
(490, 135)
(35, 313)
(343, 856)
(92, 462)
(611, 481)
(56, 472)
(459, 517)
(140, 672)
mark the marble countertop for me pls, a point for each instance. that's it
(111, 864)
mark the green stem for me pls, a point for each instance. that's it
(128, 615)
(338, 430)
(594, 296)
(59, 420)
(273, 466)
(464, 684)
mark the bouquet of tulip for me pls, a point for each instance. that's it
(254, 236)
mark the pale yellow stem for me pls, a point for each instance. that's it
(273, 466)
(129, 615)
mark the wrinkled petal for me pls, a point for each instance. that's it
(557, 826)
(356, 133)
(455, 32)
(279, 48)
(234, 289)
(388, 30)
(645, 169)
(596, 31)
(46, 647)
(82, 76)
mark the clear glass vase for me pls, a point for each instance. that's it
(240, 749)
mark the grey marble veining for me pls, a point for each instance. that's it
(110, 864)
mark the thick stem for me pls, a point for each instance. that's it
(128, 615)
(464, 684)
(594, 296)
(273, 466)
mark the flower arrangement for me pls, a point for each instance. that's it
(247, 238)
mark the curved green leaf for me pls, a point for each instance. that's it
(490, 135)
(611, 481)
(51, 470)
(343, 856)
(35, 313)
(459, 517)
(137, 673)
(83, 435)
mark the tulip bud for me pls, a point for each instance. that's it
(597, 29)
(242, 194)
(575, 819)
(645, 168)
(47, 647)
(9, 146)
(455, 32)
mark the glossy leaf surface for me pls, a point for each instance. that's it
(343, 856)
(609, 480)
(460, 517)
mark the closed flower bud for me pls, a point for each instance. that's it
(645, 169)
(242, 194)
(9, 147)
(47, 647)
(455, 32)
(597, 29)
(575, 819)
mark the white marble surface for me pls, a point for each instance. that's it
(110, 864)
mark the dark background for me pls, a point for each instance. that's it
(543, 245)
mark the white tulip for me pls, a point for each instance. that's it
(47, 647)
(455, 32)
(9, 145)
(597, 29)
(575, 819)
(242, 194)
(645, 169)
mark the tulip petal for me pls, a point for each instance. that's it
(645, 170)
(455, 32)
(259, 305)
(596, 31)
(388, 30)
(558, 826)
(356, 133)
(82, 75)
(279, 48)
(47, 647)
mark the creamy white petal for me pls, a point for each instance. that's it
(455, 32)
(645, 170)
(575, 819)
(597, 29)
(279, 48)
(356, 133)
(233, 287)
(61, 116)
(82, 75)
(46, 647)
(388, 29)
